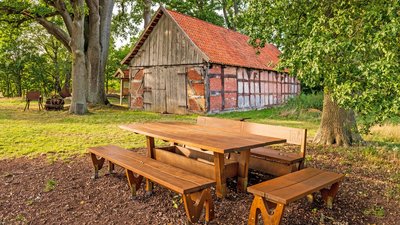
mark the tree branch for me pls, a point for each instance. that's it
(52, 28)
(57, 32)
(62, 9)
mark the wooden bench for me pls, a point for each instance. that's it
(271, 197)
(195, 189)
(265, 159)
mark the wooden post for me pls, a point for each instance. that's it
(121, 92)
(243, 170)
(150, 147)
(219, 163)
(150, 153)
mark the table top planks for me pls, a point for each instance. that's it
(203, 137)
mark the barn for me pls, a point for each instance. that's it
(181, 64)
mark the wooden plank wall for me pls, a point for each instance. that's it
(165, 90)
(166, 45)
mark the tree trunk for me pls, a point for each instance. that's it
(93, 54)
(338, 126)
(57, 80)
(146, 12)
(225, 13)
(100, 13)
(106, 8)
(79, 73)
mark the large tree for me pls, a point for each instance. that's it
(350, 47)
(84, 31)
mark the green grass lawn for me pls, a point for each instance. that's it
(62, 135)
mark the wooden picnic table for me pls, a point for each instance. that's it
(212, 139)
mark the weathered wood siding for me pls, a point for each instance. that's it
(167, 45)
(165, 90)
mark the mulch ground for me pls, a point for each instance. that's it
(35, 191)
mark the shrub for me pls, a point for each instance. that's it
(305, 102)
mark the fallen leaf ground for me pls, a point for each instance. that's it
(39, 191)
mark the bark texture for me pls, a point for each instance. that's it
(98, 39)
(146, 12)
(338, 126)
(79, 72)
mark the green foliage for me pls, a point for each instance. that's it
(349, 47)
(127, 20)
(32, 60)
(50, 185)
(204, 10)
(377, 211)
(306, 102)
(115, 55)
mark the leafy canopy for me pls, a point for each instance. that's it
(350, 47)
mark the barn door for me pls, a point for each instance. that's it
(154, 90)
(165, 90)
(176, 95)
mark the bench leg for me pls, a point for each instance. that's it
(111, 167)
(133, 181)
(97, 163)
(301, 165)
(149, 187)
(271, 213)
(194, 204)
(329, 194)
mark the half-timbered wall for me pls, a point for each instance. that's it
(136, 89)
(196, 89)
(170, 74)
(235, 88)
(166, 45)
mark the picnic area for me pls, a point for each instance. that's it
(199, 112)
(46, 171)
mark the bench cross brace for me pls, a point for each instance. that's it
(329, 194)
(97, 163)
(133, 181)
(194, 203)
(271, 213)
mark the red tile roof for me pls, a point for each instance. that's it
(220, 45)
(225, 46)
(122, 73)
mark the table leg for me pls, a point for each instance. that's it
(219, 163)
(150, 153)
(243, 170)
(150, 146)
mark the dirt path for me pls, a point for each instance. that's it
(35, 191)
